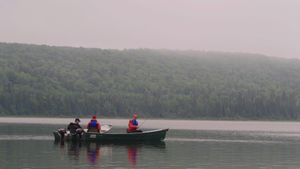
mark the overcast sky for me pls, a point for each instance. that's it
(270, 27)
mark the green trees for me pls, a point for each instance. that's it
(62, 81)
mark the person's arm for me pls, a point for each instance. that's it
(98, 126)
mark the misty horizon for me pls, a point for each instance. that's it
(154, 49)
(258, 27)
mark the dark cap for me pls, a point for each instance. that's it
(77, 119)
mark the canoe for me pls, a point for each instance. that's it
(145, 136)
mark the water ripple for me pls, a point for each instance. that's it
(221, 140)
(24, 137)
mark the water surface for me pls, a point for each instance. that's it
(31, 146)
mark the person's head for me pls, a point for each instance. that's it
(135, 116)
(77, 120)
(94, 117)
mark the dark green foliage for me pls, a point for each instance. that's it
(64, 81)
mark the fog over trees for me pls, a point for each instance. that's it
(39, 80)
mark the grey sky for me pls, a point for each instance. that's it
(270, 27)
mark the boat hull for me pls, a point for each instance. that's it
(146, 136)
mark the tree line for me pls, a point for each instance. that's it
(40, 80)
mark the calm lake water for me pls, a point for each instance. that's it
(31, 146)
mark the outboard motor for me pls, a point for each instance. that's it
(62, 133)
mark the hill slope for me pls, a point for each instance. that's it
(50, 81)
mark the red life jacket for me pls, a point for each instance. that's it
(131, 126)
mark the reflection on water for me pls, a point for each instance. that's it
(74, 150)
(92, 152)
(132, 155)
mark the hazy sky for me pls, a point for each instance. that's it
(270, 27)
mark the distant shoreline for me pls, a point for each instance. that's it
(264, 126)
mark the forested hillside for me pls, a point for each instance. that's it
(39, 80)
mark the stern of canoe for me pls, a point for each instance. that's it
(57, 136)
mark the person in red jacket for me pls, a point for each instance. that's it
(93, 125)
(133, 125)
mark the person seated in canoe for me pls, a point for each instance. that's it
(133, 125)
(94, 125)
(75, 128)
